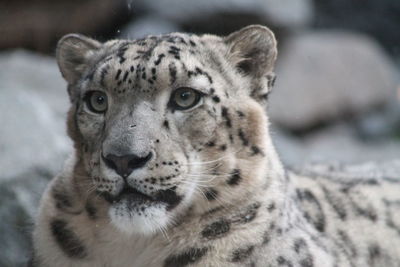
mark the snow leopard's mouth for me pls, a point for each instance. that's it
(128, 193)
(131, 195)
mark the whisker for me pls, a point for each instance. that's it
(208, 175)
(196, 180)
(215, 160)
(164, 232)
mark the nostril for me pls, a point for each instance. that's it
(108, 160)
(138, 162)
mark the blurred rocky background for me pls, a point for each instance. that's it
(336, 99)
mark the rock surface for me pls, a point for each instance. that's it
(368, 170)
(325, 75)
(337, 143)
(33, 144)
(19, 200)
(33, 104)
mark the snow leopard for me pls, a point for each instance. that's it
(173, 166)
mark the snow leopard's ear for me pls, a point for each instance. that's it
(252, 50)
(74, 54)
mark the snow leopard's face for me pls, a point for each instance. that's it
(168, 122)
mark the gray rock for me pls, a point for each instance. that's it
(19, 200)
(282, 13)
(33, 103)
(376, 125)
(383, 123)
(23, 70)
(33, 144)
(338, 143)
(367, 170)
(325, 75)
(290, 149)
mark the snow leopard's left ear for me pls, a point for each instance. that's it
(74, 55)
(253, 51)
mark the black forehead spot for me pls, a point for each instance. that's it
(172, 72)
(151, 43)
(125, 76)
(103, 73)
(146, 46)
(118, 74)
(121, 52)
(173, 39)
(159, 59)
(175, 51)
(198, 71)
(192, 43)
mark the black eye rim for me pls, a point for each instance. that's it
(88, 103)
(174, 106)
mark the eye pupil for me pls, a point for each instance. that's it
(184, 98)
(185, 95)
(100, 100)
(96, 101)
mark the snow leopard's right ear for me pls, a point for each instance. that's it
(253, 50)
(74, 54)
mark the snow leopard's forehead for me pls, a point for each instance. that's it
(150, 65)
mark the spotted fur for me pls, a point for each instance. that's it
(206, 187)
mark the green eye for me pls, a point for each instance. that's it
(184, 98)
(96, 101)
